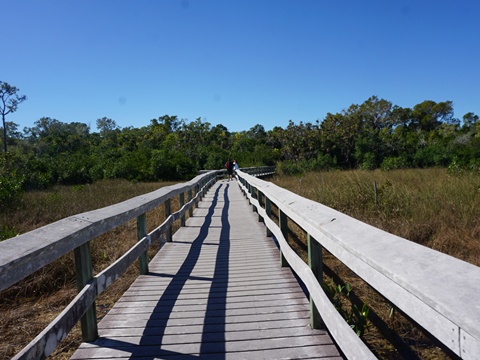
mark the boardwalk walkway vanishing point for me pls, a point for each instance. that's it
(216, 292)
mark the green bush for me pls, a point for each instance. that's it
(7, 232)
(170, 165)
(11, 184)
(393, 163)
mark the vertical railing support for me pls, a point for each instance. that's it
(200, 187)
(268, 210)
(168, 212)
(182, 202)
(197, 189)
(283, 225)
(190, 211)
(315, 262)
(141, 233)
(260, 201)
(84, 273)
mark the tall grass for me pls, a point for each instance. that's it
(428, 206)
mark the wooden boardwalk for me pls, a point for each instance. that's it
(216, 292)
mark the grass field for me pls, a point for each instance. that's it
(428, 206)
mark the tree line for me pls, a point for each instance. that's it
(374, 134)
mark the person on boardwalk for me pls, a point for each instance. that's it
(235, 165)
(229, 166)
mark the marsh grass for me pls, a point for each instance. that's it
(30, 305)
(427, 206)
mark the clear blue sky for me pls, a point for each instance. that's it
(236, 63)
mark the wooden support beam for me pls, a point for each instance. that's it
(283, 225)
(315, 262)
(268, 210)
(84, 273)
(168, 212)
(189, 196)
(141, 233)
(260, 201)
(182, 202)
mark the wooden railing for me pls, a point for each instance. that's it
(437, 291)
(27, 253)
(259, 171)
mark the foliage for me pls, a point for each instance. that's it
(7, 232)
(11, 183)
(355, 316)
(9, 101)
(374, 134)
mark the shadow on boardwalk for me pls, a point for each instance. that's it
(213, 334)
(215, 292)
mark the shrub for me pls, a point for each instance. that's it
(392, 163)
(11, 184)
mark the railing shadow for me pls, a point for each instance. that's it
(213, 333)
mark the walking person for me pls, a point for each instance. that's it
(229, 166)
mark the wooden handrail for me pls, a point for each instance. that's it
(259, 171)
(437, 291)
(29, 252)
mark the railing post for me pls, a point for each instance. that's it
(182, 202)
(282, 219)
(200, 187)
(197, 188)
(84, 273)
(268, 210)
(168, 212)
(141, 233)
(260, 201)
(190, 211)
(315, 262)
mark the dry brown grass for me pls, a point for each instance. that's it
(29, 306)
(427, 206)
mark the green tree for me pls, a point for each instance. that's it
(376, 123)
(106, 126)
(428, 115)
(338, 133)
(9, 101)
(470, 120)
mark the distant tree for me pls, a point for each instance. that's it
(9, 100)
(258, 133)
(428, 115)
(106, 126)
(338, 136)
(470, 119)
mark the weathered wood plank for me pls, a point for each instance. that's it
(216, 291)
(46, 342)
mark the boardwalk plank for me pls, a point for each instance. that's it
(216, 292)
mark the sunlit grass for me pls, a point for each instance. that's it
(427, 206)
